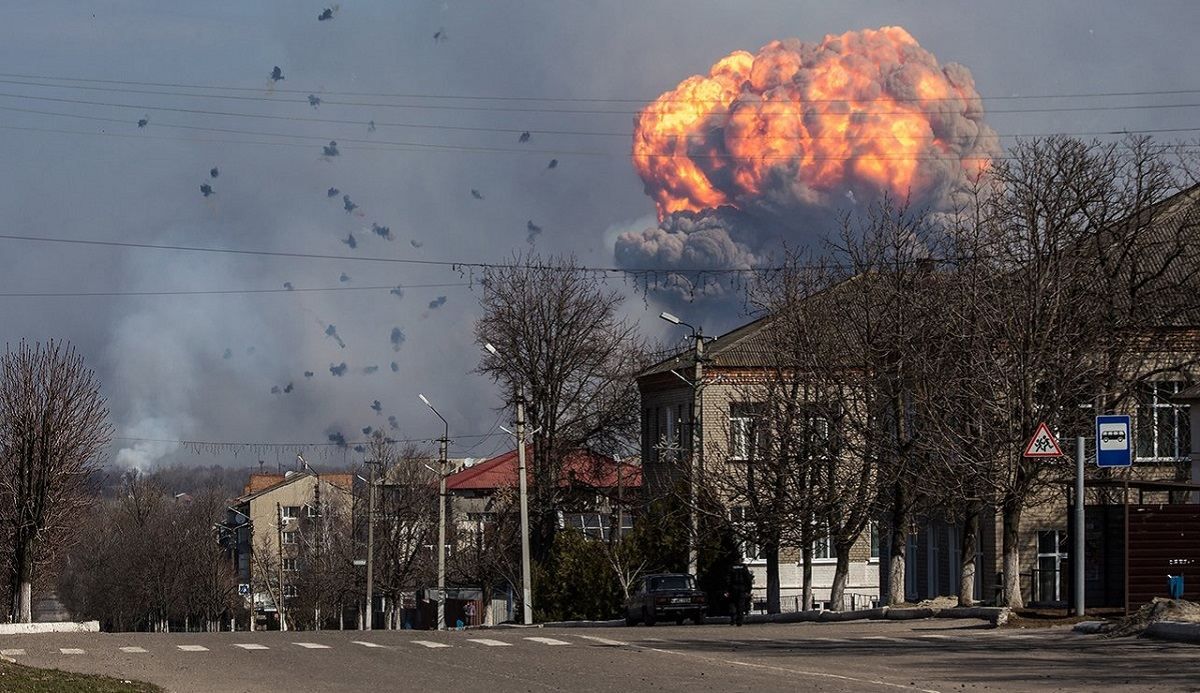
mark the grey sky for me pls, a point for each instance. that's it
(161, 358)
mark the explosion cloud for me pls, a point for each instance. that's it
(768, 144)
(370, 370)
(393, 423)
(331, 148)
(395, 367)
(339, 370)
(337, 439)
(437, 303)
(376, 407)
(350, 240)
(314, 101)
(398, 291)
(344, 278)
(332, 192)
(382, 231)
(397, 338)
(331, 331)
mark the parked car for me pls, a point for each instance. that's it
(666, 596)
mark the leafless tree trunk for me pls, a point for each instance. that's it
(53, 427)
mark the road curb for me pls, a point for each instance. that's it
(1088, 627)
(995, 615)
(1177, 631)
(63, 627)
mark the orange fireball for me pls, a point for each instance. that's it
(802, 124)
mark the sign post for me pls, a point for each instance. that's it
(1080, 518)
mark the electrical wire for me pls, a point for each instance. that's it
(221, 292)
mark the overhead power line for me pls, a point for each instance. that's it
(553, 99)
(222, 292)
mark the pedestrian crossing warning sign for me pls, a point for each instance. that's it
(1043, 443)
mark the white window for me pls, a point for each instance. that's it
(1162, 426)
(670, 439)
(289, 537)
(743, 524)
(597, 525)
(823, 545)
(745, 432)
(290, 512)
(289, 565)
(289, 590)
(1052, 552)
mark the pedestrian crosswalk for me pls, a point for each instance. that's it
(395, 641)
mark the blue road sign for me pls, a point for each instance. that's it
(1113, 441)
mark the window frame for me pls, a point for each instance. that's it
(1153, 403)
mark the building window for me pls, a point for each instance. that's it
(289, 565)
(289, 537)
(743, 524)
(671, 439)
(289, 590)
(290, 512)
(597, 525)
(1162, 425)
(1052, 552)
(745, 432)
(823, 546)
(873, 533)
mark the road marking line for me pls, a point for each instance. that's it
(832, 640)
(18, 652)
(604, 641)
(71, 650)
(549, 641)
(883, 638)
(312, 645)
(652, 639)
(433, 645)
(133, 650)
(250, 646)
(938, 636)
(489, 642)
(193, 648)
(366, 644)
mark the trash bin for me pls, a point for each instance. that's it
(1175, 586)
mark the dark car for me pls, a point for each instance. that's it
(668, 596)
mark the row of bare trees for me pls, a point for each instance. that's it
(908, 362)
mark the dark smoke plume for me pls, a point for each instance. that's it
(371, 126)
(288, 390)
(277, 74)
(213, 172)
(275, 389)
(337, 439)
(553, 163)
(206, 190)
(332, 192)
(344, 278)
(370, 370)
(524, 137)
(308, 374)
(143, 122)
(338, 370)
(331, 331)
(398, 292)
(397, 338)
(437, 303)
(376, 407)
(314, 101)
(395, 367)
(533, 231)
(382, 231)
(228, 354)
(476, 194)
(367, 430)
(393, 423)
(325, 15)
(348, 205)
(351, 241)
(416, 244)
(329, 149)
(288, 286)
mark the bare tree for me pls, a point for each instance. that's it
(561, 342)
(53, 427)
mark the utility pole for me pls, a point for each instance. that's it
(1078, 539)
(279, 541)
(370, 542)
(441, 610)
(697, 452)
(526, 588)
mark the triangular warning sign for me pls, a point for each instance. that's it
(1043, 444)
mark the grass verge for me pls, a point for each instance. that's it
(16, 678)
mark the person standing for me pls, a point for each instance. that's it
(741, 584)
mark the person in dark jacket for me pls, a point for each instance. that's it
(741, 584)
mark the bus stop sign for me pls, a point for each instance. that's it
(1113, 441)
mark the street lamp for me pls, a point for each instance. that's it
(697, 456)
(523, 485)
(444, 442)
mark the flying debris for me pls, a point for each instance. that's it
(275, 390)
(344, 278)
(332, 192)
(143, 122)
(397, 291)
(553, 163)
(524, 137)
(213, 172)
(370, 370)
(308, 374)
(339, 370)
(393, 423)
(476, 194)
(206, 189)
(276, 74)
(331, 331)
(371, 126)
(397, 338)
(377, 407)
(534, 231)
(288, 286)
(330, 149)
(382, 231)
(367, 430)
(437, 303)
(288, 390)
(395, 367)
(325, 15)
(348, 205)
(350, 241)
(337, 439)
(440, 36)
(228, 354)
(416, 244)
(314, 100)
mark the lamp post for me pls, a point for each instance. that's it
(697, 456)
(523, 486)
(444, 442)
(368, 623)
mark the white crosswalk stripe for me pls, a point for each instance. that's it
(193, 648)
(936, 636)
(489, 642)
(71, 650)
(16, 652)
(548, 641)
(434, 645)
(882, 638)
(830, 640)
(365, 643)
(133, 650)
(250, 646)
(312, 645)
(604, 641)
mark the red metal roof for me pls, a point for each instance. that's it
(580, 468)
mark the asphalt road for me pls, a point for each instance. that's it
(932, 655)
